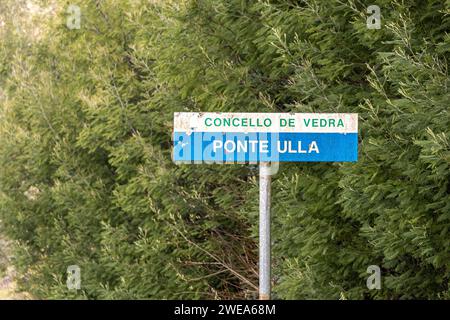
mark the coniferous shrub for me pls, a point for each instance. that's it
(85, 149)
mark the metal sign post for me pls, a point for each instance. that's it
(264, 231)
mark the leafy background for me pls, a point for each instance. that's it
(86, 175)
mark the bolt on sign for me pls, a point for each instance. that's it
(265, 137)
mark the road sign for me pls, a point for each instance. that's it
(265, 137)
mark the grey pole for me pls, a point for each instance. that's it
(264, 230)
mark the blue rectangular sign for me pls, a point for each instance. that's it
(265, 137)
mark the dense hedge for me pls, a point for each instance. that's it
(86, 176)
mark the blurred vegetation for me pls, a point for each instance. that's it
(86, 176)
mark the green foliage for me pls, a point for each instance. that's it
(86, 174)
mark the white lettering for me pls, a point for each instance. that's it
(313, 147)
(263, 146)
(217, 144)
(253, 145)
(228, 143)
